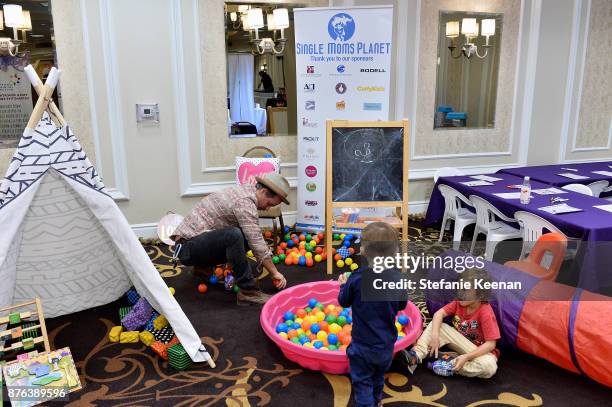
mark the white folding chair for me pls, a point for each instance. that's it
(453, 210)
(487, 223)
(581, 189)
(598, 187)
(446, 172)
(532, 227)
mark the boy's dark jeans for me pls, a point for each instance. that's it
(368, 369)
(219, 246)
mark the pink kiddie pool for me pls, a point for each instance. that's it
(335, 362)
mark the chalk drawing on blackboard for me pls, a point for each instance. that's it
(367, 164)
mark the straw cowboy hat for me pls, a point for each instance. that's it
(275, 183)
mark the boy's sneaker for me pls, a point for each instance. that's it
(409, 359)
(441, 367)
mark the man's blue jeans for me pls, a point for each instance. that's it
(219, 246)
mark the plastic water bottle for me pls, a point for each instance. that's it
(525, 191)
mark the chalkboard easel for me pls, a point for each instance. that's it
(366, 167)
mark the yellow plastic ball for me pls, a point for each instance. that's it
(324, 348)
(331, 307)
(312, 319)
(320, 316)
(318, 258)
(308, 255)
(300, 331)
(321, 335)
(250, 253)
(335, 328)
(340, 263)
(342, 236)
(172, 290)
(348, 261)
(400, 334)
(354, 266)
(283, 335)
(309, 345)
(298, 320)
(398, 326)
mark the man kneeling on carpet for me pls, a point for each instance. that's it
(223, 224)
(374, 333)
(472, 337)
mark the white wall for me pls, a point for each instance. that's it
(116, 53)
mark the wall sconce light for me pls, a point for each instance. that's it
(27, 25)
(470, 29)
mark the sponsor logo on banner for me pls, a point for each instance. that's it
(311, 171)
(372, 70)
(311, 139)
(311, 203)
(309, 105)
(309, 87)
(311, 187)
(311, 217)
(341, 27)
(340, 105)
(340, 88)
(311, 153)
(310, 69)
(370, 88)
(341, 68)
(372, 106)
(308, 123)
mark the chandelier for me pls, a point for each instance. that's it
(13, 16)
(470, 29)
(251, 19)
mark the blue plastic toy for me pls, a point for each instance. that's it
(312, 302)
(403, 320)
(289, 316)
(281, 328)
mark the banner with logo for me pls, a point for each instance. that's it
(343, 64)
(15, 100)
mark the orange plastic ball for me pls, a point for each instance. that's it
(301, 312)
(321, 236)
(337, 257)
(318, 250)
(323, 256)
(306, 326)
(288, 260)
(226, 272)
(333, 251)
(292, 333)
(324, 326)
(351, 250)
(302, 237)
(219, 272)
(283, 245)
(295, 260)
(202, 288)
(267, 234)
(312, 337)
(309, 262)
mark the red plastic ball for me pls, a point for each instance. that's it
(202, 288)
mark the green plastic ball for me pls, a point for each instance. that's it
(301, 336)
(289, 322)
(275, 259)
(341, 320)
(320, 306)
(308, 238)
(295, 339)
(287, 237)
(282, 257)
(236, 288)
(331, 347)
(330, 319)
(308, 309)
(336, 236)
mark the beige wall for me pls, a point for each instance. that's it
(171, 52)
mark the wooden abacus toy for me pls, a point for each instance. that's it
(22, 328)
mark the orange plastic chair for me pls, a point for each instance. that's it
(554, 243)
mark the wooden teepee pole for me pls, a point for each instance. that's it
(56, 115)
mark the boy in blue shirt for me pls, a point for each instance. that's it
(374, 333)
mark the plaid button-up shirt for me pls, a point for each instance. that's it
(235, 206)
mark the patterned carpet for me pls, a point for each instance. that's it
(251, 370)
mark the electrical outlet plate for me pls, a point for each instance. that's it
(147, 113)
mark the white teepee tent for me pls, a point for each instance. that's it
(63, 239)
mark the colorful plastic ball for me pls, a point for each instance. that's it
(308, 345)
(334, 328)
(346, 243)
(308, 238)
(308, 309)
(301, 333)
(299, 321)
(317, 344)
(202, 288)
(332, 347)
(236, 289)
(342, 236)
(296, 325)
(341, 320)
(403, 320)
(332, 339)
(275, 259)
(319, 306)
(340, 263)
(283, 335)
(302, 261)
(336, 236)
(282, 327)
(398, 326)
(330, 319)
(289, 323)
(214, 279)
(250, 253)
(318, 258)
(295, 339)
(354, 266)
(288, 261)
(312, 337)
(290, 243)
(172, 290)
(322, 335)
(306, 326)
(286, 229)
(288, 316)
(349, 319)
(304, 340)
(314, 328)
(308, 255)
(282, 257)
(348, 261)
(320, 316)
(309, 262)
(219, 272)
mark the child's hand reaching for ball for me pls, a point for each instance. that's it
(342, 278)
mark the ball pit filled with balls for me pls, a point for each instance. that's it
(324, 330)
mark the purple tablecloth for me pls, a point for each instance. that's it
(592, 225)
(548, 173)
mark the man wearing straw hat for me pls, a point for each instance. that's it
(221, 226)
